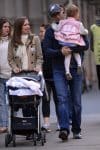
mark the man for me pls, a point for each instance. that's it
(56, 52)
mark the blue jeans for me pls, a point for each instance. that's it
(75, 86)
(3, 104)
(61, 85)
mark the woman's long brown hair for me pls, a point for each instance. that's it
(16, 38)
(4, 20)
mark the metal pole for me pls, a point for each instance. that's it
(70, 1)
(44, 11)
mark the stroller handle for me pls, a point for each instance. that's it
(24, 72)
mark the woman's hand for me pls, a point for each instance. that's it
(17, 70)
(37, 69)
(66, 50)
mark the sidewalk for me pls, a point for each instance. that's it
(90, 140)
(90, 136)
(90, 131)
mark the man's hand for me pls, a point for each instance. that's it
(66, 50)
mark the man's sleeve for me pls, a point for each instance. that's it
(79, 49)
(48, 45)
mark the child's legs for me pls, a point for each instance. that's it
(67, 63)
(78, 59)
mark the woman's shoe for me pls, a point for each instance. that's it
(3, 129)
(58, 127)
(47, 130)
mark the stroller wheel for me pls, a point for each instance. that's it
(42, 142)
(14, 140)
(35, 139)
(8, 139)
(34, 143)
(43, 134)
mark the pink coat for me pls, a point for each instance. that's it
(68, 31)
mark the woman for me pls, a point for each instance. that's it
(5, 71)
(24, 52)
(48, 76)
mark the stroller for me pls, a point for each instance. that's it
(24, 95)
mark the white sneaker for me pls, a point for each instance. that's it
(77, 136)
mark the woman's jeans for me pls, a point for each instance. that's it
(3, 104)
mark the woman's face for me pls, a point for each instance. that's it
(26, 27)
(42, 33)
(6, 29)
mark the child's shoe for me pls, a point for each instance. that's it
(79, 70)
(68, 76)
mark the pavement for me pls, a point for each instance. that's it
(90, 130)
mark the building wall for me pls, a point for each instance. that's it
(37, 11)
(16, 8)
